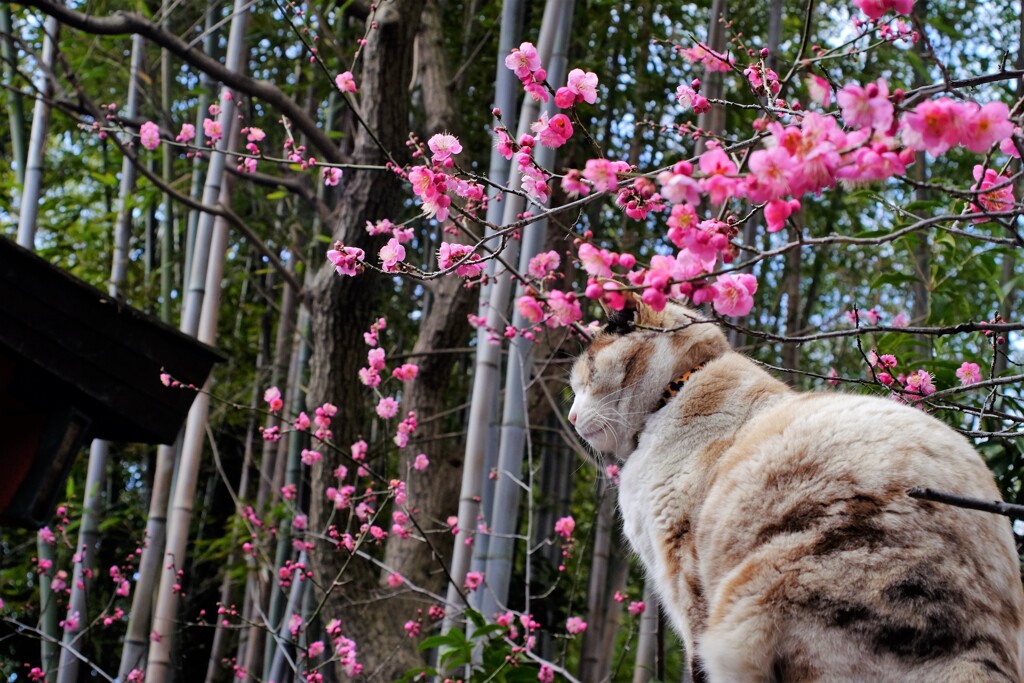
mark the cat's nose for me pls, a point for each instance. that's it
(572, 417)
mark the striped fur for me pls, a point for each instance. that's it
(776, 526)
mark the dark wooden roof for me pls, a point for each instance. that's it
(71, 344)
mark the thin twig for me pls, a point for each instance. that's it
(995, 506)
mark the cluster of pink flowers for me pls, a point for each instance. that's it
(874, 9)
(322, 420)
(344, 648)
(272, 397)
(525, 63)
(405, 429)
(452, 253)
(553, 132)
(763, 81)
(432, 189)
(995, 192)
(370, 375)
(704, 55)
(937, 125)
(123, 587)
(346, 260)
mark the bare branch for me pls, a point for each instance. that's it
(125, 23)
(995, 506)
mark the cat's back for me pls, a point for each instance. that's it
(810, 546)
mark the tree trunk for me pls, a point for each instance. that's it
(343, 308)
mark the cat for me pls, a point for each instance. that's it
(776, 526)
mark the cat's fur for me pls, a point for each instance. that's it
(776, 527)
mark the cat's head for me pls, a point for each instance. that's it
(620, 378)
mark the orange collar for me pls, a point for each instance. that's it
(676, 385)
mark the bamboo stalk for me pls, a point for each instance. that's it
(485, 375)
(88, 534)
(31, 192)
(201, 312)
(15, 109)
(504, 518)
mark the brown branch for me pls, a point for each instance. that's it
(130, 23)
(995, 506)
(931, 331)
(920, 93)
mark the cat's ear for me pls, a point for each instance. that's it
(622, 320)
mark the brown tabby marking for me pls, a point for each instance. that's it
(776, 526)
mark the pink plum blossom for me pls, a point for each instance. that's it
(544, 264)
(71, 622)
(969, 373)
(405, 372)
(777, 211)
(451, 253)
(934, 125)
(583, 85)
(868, 106)
(187, 134)
(523, 60)
(565, 309)
(987, 126)
(345, 82)
(553, 132)
(473, 580)
(212, 130)
(819, 91)
(346, 260)
(712, 61)
(546, 673)
(575, 625)
(1000, 199)
(530, 308)
(391, 254)
(874, 9)
(565, 526)
(395, 579)
(734, 293)
(387, 407)
(603, 173)
(272, 396)
(678, 184)
(421, 463)
(149, 135)
(331, 176)
(443, 146)
(636, 607)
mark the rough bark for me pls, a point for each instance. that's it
(343, 308)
